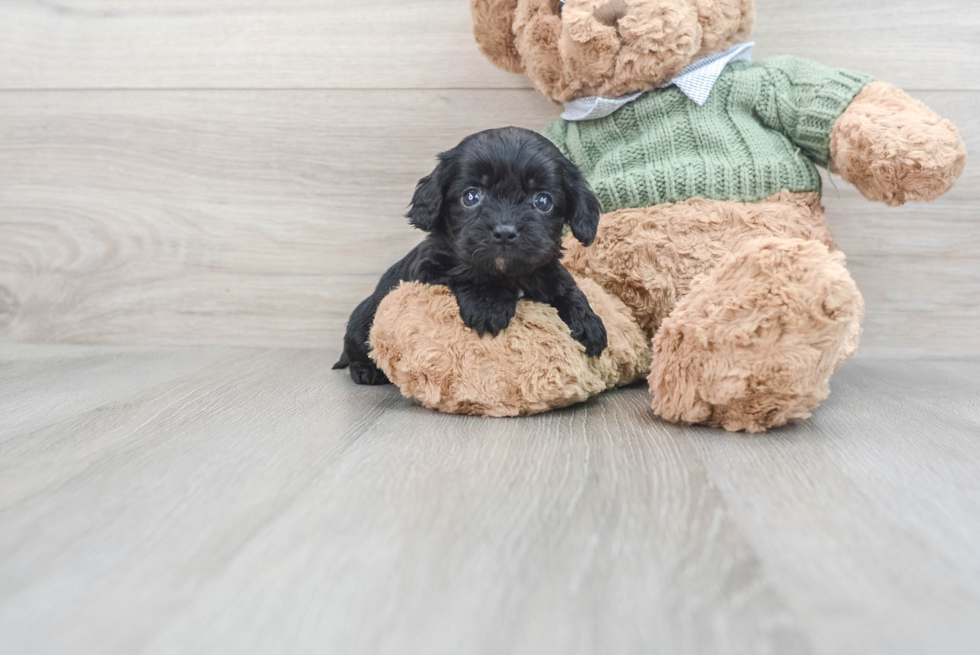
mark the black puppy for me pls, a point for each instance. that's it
(494, 208)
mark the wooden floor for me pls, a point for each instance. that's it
(214, 173)
(201, 500)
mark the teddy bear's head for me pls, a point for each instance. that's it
(576, 48)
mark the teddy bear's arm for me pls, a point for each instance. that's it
(802, 99)
(893, 148)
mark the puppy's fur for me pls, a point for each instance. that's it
(492, 240)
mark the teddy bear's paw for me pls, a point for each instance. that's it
(895, 149)
(755, 341)
(421, 343)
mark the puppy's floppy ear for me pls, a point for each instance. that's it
(581, 205)
(427, 202)
(493, 27)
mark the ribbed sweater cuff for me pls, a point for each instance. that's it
(817, 119)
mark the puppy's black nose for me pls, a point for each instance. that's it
(505, 233)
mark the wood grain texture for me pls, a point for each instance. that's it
(262, 218)
(234, 173)
(71, 44)
(30, 401)
(257, 503)
(912, 44)
(883, 481)
(243, 218)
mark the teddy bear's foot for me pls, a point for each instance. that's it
(755, 341)
(420, 342)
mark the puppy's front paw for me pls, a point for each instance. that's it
(486, 309)
(367, 373)
(591, 333)
(492, 318)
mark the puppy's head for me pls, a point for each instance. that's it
(501, 199)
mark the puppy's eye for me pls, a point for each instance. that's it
(472, 197)
(543, 202)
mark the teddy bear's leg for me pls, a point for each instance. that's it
(648, 257)
(755, 341)
(421, 343)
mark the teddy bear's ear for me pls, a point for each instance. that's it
(493, 27)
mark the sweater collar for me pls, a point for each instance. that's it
(695, 81)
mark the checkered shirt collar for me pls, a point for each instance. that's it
(695, 81)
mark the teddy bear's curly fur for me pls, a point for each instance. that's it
(738, 312)
(420, 341)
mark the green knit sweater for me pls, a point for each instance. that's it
(764, 128)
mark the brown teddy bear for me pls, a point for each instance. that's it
(713, 270)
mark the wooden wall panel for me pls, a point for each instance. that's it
(261, 218)
(418, 44)
(240, 217)
(236, 172)
(913, 44)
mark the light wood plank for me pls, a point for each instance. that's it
(423, 44)
(237, 218)
(262, 219)
(268, 478)
(39, 385)
(883, 481)
(229, 44)
(262, 504)
(912, 44)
